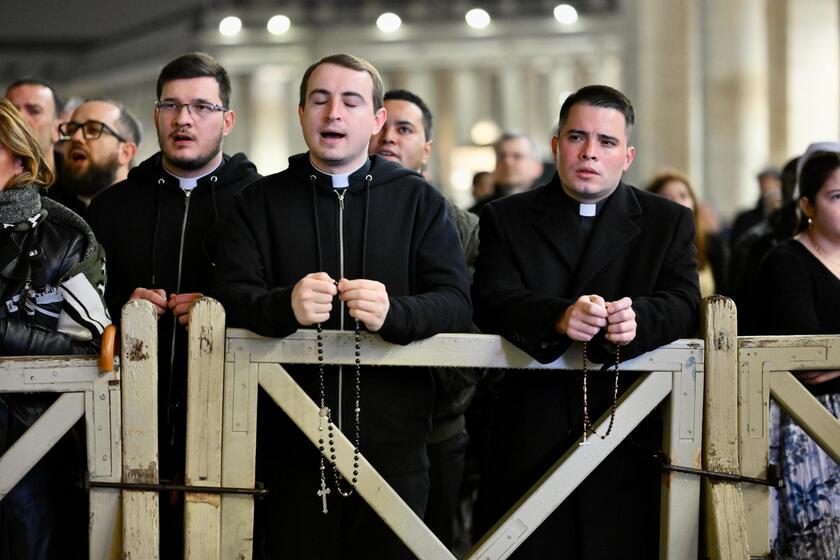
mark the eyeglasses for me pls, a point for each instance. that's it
(91, 130)
(198, 109)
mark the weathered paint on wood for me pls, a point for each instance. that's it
(239, 445)
(139, 371)
(205, 388)
(726, 524)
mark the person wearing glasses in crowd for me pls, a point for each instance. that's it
(102, 139)
(51, 281)
(157, 227)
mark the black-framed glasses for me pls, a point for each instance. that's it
(91, 130)
(198, 109)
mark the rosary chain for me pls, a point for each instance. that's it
(587, 424)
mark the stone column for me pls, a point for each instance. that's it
(804, 55)
(669, 91)
(736, 86)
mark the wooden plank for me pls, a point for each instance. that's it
(682, 443)
(465, 350)
(303, 411)
(139, 372)
(808, 412)
(105, 524)
(39, 438)
(726, 524)
(570, 470)
(239, 444)
(205, 387)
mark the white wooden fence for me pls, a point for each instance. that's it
(226, 371)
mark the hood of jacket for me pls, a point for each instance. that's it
(382, 171)
(235, 170)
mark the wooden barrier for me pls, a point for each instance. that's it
(139, 365)
(87, 392)
(678, 372)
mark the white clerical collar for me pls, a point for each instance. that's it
(588, 210)
(189, 183)
(339, 180)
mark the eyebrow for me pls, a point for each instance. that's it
(405, 122)
(198, 100)
(343, 93)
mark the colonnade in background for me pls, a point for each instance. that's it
(721, 87)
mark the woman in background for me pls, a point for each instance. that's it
(51, 281)
(797, 291)
(711, 250)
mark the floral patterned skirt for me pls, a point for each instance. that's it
(807, 519)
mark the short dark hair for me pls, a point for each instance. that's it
(196, 65)
(405, 95)
(353, 63)
(34, 81)
(599, 96)
(127, 123)
(815, 172)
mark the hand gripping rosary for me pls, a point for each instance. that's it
(325, 416)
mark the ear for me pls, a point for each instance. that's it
(300, 115)
(554, 141)
(807, 208)
(230, 120)
(379, 118)
(126, 153)
(155, 118)
(628, 159)
(427, 152)
(18, 166)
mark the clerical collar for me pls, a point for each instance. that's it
(189, 183)
(341, 180)
(588, 210)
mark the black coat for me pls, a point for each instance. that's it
(406, 240)
(532, 265)
(154, 237)
(534, 261)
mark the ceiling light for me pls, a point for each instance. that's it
(485, 132)
(565, 13)
(278, 24)
(477, 18)
(230, 26)
(388, 22)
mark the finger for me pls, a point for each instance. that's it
(621, 316)
(623, 327)
(320, 276)
(594, 308)
(323, 287)
(596, 299)
(619, 305)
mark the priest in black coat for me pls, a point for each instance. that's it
(584, 258)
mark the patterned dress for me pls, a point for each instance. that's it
(797, 294)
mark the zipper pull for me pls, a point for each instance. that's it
(187, 193)
(340, 195)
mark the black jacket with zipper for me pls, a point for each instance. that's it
(156, 235)
(396, 230)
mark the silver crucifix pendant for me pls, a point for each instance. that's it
(323, 493)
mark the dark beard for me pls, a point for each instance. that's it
(96, 178)
(194, 163)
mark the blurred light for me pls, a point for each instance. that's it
(278, 24)
(388, 22)
(485, 132)
(565, 13)
(477, 18)
(230, 26)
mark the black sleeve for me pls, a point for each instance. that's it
(239, 278)
(504, 305)
(441, 300)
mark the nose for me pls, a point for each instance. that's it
(183, 115)
(78, 134)
(334, 112)
(588, 150)
(389, 135)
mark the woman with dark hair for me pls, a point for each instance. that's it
(797, 291)
(51, 281)
(711, 250)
